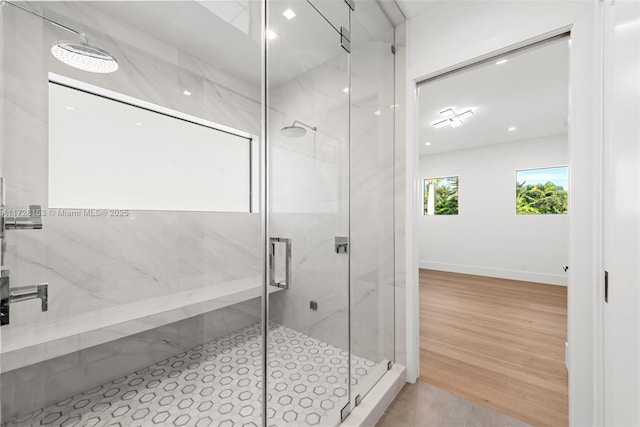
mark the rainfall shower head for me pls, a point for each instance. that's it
(81, 55)
(84, 56)
(295, 130)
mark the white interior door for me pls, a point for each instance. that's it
(622, 214)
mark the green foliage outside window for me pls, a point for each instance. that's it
(445, 201)
(547, 198)
(542, 191)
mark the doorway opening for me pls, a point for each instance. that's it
(493, 236)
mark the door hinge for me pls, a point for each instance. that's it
(351, 4)
(393, 49)
(345, 39)
(344, 412)
(358, 400)
(606, 286)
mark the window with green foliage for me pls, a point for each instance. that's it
(441, 196)
(542, 191)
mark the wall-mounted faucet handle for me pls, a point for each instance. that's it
(31, 222)
(25, 293)
(10, 295)
(43, 294)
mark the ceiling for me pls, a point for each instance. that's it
(227, 33)
(411, 8)
(529, 92)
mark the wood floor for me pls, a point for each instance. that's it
(496, 342)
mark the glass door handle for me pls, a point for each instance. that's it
(286, 283)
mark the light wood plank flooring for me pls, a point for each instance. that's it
(496, 342)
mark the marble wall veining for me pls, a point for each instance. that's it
(91, 262)
(345, 178)
(94, 263)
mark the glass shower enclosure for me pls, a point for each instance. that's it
(197, 211)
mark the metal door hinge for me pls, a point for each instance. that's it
(344, 412)
(345, 39)
(358, 400)
(389, 365)
(606, 286)
(342, 245)
(393, 49)
(351, 4)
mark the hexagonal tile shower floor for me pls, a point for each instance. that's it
(219, 384)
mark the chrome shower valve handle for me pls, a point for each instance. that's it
(9, 295)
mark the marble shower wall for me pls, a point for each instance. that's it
(95, 263)
(311, 191)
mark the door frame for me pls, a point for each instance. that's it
(585, 281)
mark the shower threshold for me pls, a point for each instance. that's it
(220, 384)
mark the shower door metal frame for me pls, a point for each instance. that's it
(344, 35)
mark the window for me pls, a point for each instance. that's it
(441, 196)
(144, 157)
(542, 191)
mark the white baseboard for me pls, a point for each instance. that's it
(527, 276)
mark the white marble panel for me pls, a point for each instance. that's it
(101, 263)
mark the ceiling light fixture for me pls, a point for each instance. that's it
(289, 14)
(271, 34)
(512, 128)
(345, 90)
(187, 93)
(70, 108)
(451, 118)
(502, 61)
(377, 113)
(427, 144)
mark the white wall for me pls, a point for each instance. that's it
(487, 237)
(453, 34)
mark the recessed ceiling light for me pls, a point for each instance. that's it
(186, 92)
(345, 90)
(502, 61)
(138, 124)
(71, 108)
(427, 144)
(377, 113)
(271, 34)
(289, 14)
(512, 128)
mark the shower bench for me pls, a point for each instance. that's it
(29, 344)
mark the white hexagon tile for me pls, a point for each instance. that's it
(219, 384)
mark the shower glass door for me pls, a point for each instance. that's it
(308, 94)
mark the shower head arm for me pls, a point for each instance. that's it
(313, 128)
(51, 21)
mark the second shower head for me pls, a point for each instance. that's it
(296, 130)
